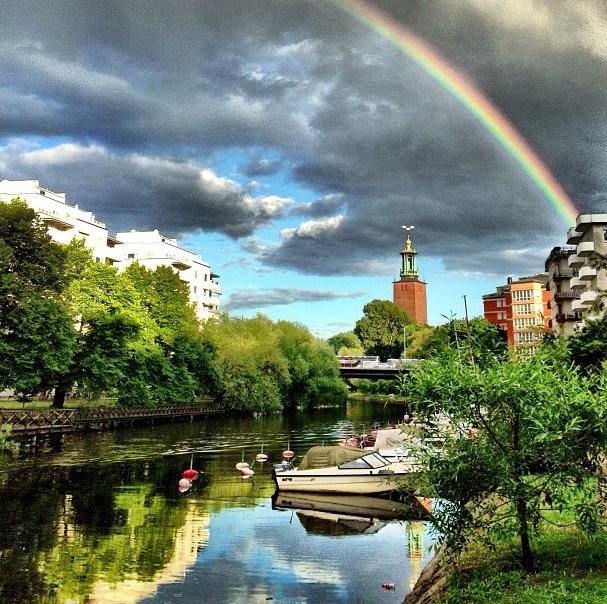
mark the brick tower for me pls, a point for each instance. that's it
(409, 293)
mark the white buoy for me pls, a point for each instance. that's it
(242, 464)
(246, 473)
(261, 457)
(185, 483)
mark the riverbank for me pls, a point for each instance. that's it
(571, 568)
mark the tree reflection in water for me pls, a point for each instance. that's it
(103, 521)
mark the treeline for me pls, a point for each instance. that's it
(69, 325)
(386, 331)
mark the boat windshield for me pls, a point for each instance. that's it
(373, 460)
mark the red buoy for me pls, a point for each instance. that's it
(190, 474)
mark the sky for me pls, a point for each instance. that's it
(287, 142)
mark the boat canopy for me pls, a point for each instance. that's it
(391, 438)
(326, 457)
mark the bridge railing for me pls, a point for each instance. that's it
(28, 421)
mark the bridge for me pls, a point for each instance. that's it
(370, 368)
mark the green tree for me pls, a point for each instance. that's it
(381, 329)
(281, 363)
(345, 343)
(480, 340)
(588, 347)
(110, 319)
(166, 299)
(37, 345)
(540, 432)
(36, 335)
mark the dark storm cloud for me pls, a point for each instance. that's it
(324, 206)
(145, 192)
(157, 90)
(258, 298)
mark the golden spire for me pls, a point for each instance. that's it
(408, 247)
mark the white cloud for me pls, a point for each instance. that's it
(313, 228)
(62, 154)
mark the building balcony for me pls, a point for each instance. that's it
(585, 249)
(588, 298)
(181, 265)
(568, 295)
(576, 283)
(573, 236)
(564, 273)
(577, 306)
(568, 316)
(575, 261)
(56, 223)
(112, 241)
(112, 258)
(587, 273)
(584, 221)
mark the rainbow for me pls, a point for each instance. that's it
(470, 97)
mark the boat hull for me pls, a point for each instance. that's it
(339, 482)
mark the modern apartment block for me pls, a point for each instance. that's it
(590, 238)
(151, 249)
(63, 221)
(566, 318)
(522, 309)
(575, 283)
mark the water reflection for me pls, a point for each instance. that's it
(104, 521)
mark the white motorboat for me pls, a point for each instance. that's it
(344, 470)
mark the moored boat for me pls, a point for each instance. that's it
(344, 470)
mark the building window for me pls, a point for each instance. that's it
(522, 294)
(500, 303)
(523, 309)
(604, 234)
(131, 255)
(195, 288)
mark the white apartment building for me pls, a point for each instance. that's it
(63, 221)
(590, 238)
(152, 249)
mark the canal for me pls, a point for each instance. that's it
(102, 520)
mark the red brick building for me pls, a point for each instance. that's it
(522, 309)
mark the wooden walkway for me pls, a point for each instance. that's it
(61, 421)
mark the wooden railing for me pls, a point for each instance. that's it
(47, 421)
